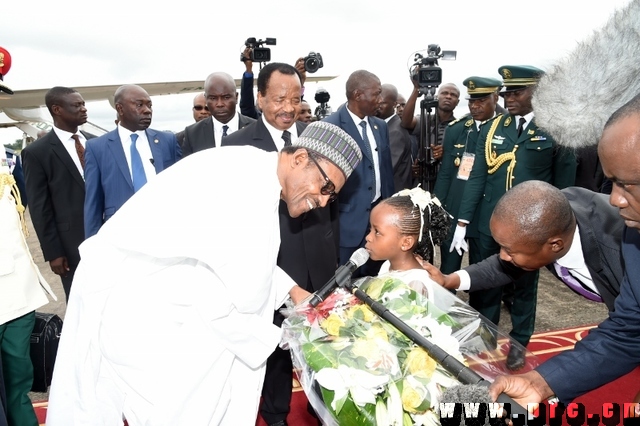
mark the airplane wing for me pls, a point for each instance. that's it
(27, 99)
(24, 107)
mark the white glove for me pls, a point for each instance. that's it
(459, 242)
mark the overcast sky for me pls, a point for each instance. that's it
(74, 43)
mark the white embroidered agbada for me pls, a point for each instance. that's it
(170, 317)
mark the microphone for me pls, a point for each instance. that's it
(479, 393)
(342, 275)
(595, 79)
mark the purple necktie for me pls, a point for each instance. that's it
(574, 284)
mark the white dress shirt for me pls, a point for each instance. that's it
(217, 128)
(276, 134)
(70, 145)
(142, 145)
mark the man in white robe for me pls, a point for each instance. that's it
(170, 317)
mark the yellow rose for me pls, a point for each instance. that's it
(365, 348)
(332, 325)
(367, 313)
(411, 398)
(377, 332)
(419, 363)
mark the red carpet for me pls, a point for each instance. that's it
(544, 345)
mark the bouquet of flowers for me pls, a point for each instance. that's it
(358, 369)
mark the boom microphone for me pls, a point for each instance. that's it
(342, 275)
(575, 98)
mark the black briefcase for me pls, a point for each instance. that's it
(44, 347)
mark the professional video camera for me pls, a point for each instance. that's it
(322, 98)
(259, 53)
(313, 62)
(426, 72)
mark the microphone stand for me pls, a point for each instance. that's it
(460, 371)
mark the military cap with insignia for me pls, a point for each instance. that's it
(517, 77)
(480, 87)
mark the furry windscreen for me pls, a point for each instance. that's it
(577, 95)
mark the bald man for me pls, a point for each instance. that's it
(120, 162)
(221, 99)
(613, 348)
(538, 225)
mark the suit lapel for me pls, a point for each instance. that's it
(207, 131)
(156, 149)
(114, 145)
(262, 133)
(62, 153)
(355, 131)
(591, 252)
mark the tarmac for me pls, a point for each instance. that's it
(558, 307)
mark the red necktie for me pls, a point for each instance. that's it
(79, 149)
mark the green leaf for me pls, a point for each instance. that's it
(320, 355)
(350, 414)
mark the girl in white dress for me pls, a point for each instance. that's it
(407, 224)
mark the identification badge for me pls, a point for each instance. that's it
(466, 165)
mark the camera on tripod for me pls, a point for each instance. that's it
(322, 98)
(259, 53)
(313, 62)
(427, 73)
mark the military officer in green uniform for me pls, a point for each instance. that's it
(510, 149)
(459, 150)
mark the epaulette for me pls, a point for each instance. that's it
(491, 119)
(464, 117)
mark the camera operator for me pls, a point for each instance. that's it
(448, 98)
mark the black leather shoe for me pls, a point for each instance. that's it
(516, 358)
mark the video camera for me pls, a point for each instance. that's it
(322, 98)
(427, 73)
(313, 62)
(259, 53)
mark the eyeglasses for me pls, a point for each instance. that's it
(200, 108)
(329, 188)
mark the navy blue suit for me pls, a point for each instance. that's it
(610, 350)
(357, 194)
(108, 179)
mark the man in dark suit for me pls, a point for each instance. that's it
(372, 181)
(120, 162)
(510, 149)
(222, 98)
(53, 170)
(200, 112)
(574, 228)
(309, 244)
(613, 348)
(399, 139)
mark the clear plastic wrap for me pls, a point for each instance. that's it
(356, 368)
